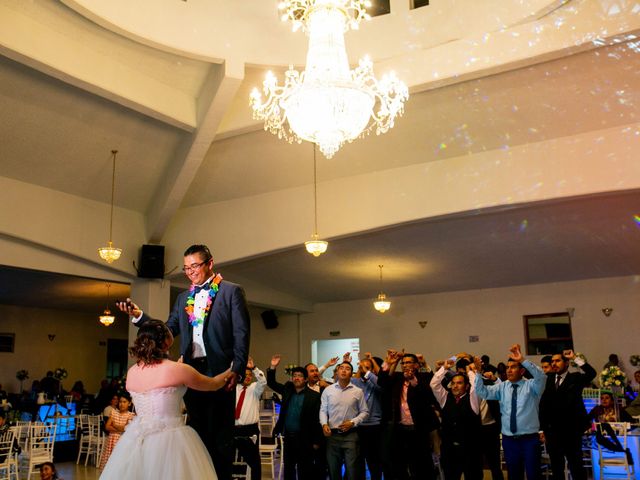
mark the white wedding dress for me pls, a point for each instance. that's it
(156, 444)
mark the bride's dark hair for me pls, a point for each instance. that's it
(150, 345)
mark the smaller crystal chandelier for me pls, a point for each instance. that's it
(111, 253)
(106, 318)
(381, 304)
(315, 246)
(328, 103)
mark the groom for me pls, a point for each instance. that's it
(213, 319)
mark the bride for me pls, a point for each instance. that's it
(156, 444)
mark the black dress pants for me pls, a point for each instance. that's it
(411, 455)
(212, 416)
(561, 445)
(298, 458)
(248, 449)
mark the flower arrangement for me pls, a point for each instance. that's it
(289, 368)
(22, 375)
(612, 377)
(60, 373)
(634, 360)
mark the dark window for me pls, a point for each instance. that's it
(7, 342)
(419, 3)
(548, 333)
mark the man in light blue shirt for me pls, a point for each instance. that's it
(342, 409)
(519, 399)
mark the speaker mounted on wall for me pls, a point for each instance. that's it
(151, 261)
(270, 319)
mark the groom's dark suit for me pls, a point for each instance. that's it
(226, 339)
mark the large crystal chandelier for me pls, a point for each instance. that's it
(328, 104)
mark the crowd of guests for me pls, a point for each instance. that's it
(394, 414)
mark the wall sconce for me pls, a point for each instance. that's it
(422, 324)
(51, 336)
(607, 311)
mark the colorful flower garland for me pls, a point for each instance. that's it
(191, 301)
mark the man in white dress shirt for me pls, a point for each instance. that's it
(247, 414)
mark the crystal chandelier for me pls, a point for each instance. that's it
(381, 304)
(315, 246)
(328, 104)
(106, 318)
(111, 253)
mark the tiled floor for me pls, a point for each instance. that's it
(71, 471)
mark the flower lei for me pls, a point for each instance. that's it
(191, 301)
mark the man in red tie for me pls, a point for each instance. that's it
(460, 453)
(247, 430)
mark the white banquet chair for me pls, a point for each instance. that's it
(9, 460)
(42, 437)
(611, 462)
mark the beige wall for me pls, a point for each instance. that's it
(75, 347)
(493, 314)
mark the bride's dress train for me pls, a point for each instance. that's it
(156, 444)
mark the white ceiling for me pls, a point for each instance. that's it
(57, 130)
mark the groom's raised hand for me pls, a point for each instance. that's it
(129, 308)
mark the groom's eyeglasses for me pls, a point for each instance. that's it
(194, 267)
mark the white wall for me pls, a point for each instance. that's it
(493, 314)
(496, 315)
(75, 346)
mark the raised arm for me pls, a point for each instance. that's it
(436, 383)
(261, 380)
(487, 392)
(271, 375)
(588, 372)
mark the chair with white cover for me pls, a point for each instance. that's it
(42, 437)
(8, 458)
(613, 459)
(91, 438)
(22, 433)
(268, 417)
(272, 454)
(241, 469)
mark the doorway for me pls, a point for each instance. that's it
(116, 358)
(323, 350)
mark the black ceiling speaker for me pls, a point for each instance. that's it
(151, 261)
(270, 319)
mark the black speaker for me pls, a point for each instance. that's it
(270, 319)
(151, 261)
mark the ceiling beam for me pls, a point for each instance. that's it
(217, 94)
